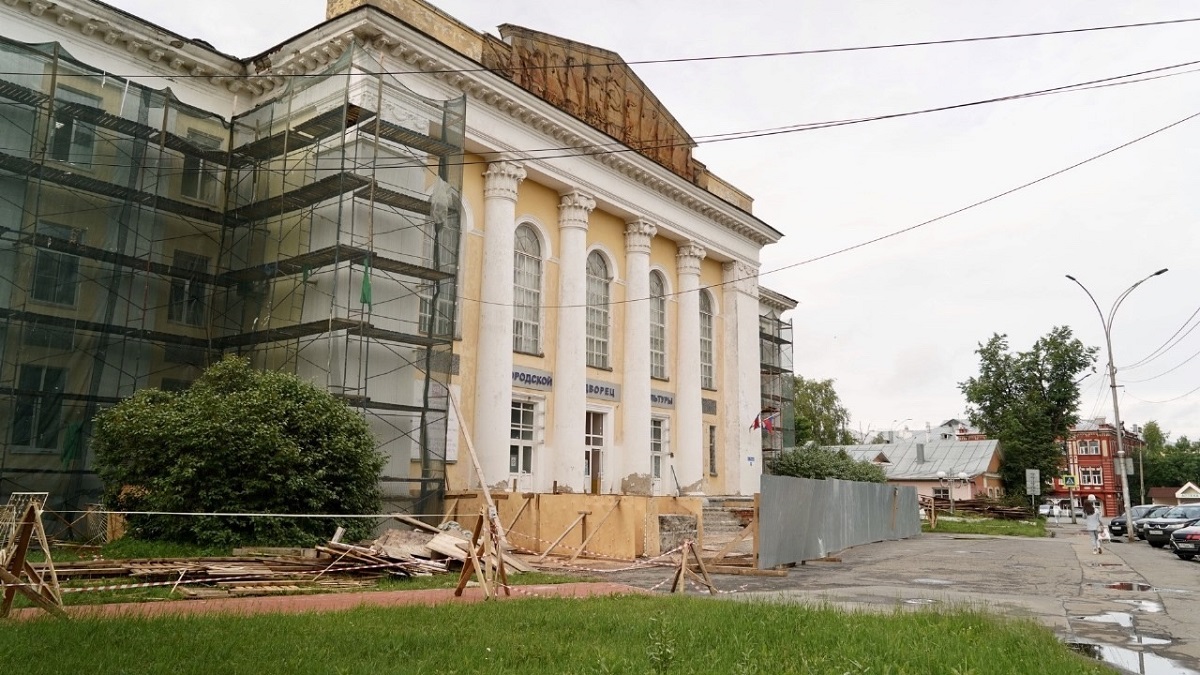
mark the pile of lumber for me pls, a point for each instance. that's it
(422, 551)
(983, 507)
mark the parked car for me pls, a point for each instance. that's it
(1160, 527)
(1139, 524)
(1186, 542)
(1117, 526)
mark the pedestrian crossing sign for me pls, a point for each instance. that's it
(1069, 481)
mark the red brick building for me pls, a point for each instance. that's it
(1090, 455)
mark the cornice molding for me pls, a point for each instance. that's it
(170, 56)
(267, 73)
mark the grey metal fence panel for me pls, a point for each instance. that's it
(802, 519)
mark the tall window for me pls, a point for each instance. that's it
(39, 406)
(55, 274)
(707, 378)
(1091, 477)
(189, 293)
(658, 445)
(439, 322)
(74, 140)
(521, 431)
(199, 174)
(712, 450)
(658, 326)
(597, 311)
(527, 292)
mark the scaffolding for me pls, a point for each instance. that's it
(141, 239)
(778, 386)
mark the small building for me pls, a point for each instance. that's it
(918, 463)
(1090, 454)
(1188, 494)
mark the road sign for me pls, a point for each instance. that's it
(1128, 465)
(1069, 481)
(1033, 482)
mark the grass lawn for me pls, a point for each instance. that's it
(633, 634)
(973, 525)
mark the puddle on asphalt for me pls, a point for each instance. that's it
(1148, 640)
(1122, 619)
(1130, 660)
(932, 582)
(1145, 606)
(920, 601)
(1129, 586)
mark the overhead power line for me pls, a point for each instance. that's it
(751, 55)
(910, 228)
(616, 147)
(1167, 345)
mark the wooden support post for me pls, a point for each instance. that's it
(895, 505)
(755, 522)
(513, 523)
(712, 590)
(582, 515)
(42, 592)
(472, 565)
(741, 536)
(596, 529)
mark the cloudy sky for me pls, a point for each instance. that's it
(896, 322)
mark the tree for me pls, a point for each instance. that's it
(813, 461)
(239, 440)
(1168, 465)
(820, 415)
(1028, 400)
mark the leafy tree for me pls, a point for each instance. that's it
(1169, 465)
(820, 415)
(239, 440)
(879, 439)
(1027, 400)
(813, 461)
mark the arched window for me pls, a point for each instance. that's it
(597, 310)
(527, 291)
(708, 379)
(658, 326)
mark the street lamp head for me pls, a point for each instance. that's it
(1162, 271)
(962, 475)
(1072, 278)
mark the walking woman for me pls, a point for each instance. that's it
(1092, 519)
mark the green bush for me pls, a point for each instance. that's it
(813, 461)
(239, 440)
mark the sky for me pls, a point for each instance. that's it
(896, 323)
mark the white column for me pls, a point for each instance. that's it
(635, 386)
(494, 354)
(741, 385)
(688, 444)
(565, 461)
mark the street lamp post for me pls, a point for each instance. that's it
(1112, 378)
(951, 482)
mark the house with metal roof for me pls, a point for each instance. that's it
(938, 468)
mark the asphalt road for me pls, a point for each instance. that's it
(1132, 606)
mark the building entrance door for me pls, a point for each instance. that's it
(593, 465)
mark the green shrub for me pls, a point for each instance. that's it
(239, 440)
(813, 461)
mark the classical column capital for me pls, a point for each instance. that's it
(687, 260)
(574, 208)
(741, 276)
(501, 180)
(638, 235)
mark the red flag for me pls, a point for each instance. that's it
(769, 426)
(754, 424)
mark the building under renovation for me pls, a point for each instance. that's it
(370, 206)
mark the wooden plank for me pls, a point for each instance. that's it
(449, 546)
(754, 522)
(421, 525)
(582, 515)
(594, 531)
(745, 571)
(748, 529)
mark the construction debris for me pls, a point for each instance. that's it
(260, 571)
